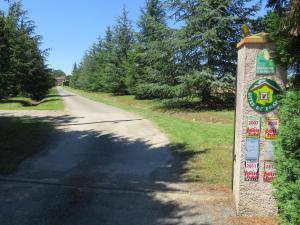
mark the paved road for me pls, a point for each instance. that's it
(104, 166)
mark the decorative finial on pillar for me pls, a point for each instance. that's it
(245, 30)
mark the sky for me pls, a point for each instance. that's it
(69, 27)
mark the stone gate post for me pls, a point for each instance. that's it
(259, 84)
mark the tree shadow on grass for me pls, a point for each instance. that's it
(31, 103)
(24, 103)
(87, 176)
(214, 103)
(48, 100)
(27, 103)
(182, 154)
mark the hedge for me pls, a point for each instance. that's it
(287, 164)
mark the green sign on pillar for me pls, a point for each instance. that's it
(263, 95)
(264, 63)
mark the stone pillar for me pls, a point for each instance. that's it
(259, 84)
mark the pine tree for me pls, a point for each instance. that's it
(284, 27)
(123, 41)
(6, 77)
(29, 60)
(152, 22)
(110, 61)
(207, 43)
(155, 53)
(24, 70)
(74, 77)
(123, 35)
(208, 40)
(92, 69)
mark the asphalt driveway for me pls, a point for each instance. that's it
(104, 166)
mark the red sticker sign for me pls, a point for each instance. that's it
(251, 171)
(269, 173)
(253, 127)
(271, 128)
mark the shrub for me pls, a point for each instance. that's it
(287, 164)
(153, 91)
(199, 84)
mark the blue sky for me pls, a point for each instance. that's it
(69, 27)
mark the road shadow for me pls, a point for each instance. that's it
(99, 122)
(182, 154)
(58, 96)
(92, 177)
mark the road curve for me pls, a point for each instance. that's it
(103, 166)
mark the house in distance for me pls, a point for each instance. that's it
(60, 80)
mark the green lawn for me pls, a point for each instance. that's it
(203, 140)
(51, 102)
(20, 139)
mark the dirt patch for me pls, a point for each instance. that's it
(252, 221)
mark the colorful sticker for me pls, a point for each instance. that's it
(253, 127)
(271, 128)
(263, 95)
(269, 173)
(251, 170)
(252, 149)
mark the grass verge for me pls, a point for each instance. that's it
(20, 139)
(202, 140)
(52, 102)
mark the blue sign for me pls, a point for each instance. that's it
(252, 149)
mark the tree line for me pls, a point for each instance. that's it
(194, 62)
(23, 70)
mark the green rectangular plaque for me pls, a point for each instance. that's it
(264, 64)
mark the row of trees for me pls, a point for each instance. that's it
(22, 62)
(197, 61)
